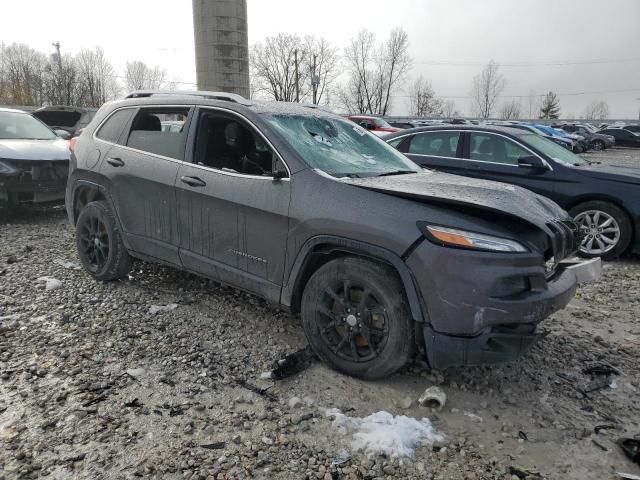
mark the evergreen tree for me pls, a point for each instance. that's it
(550, 106)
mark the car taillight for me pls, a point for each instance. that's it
(74, 139)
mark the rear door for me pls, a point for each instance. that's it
(232, 214)
(142, 171)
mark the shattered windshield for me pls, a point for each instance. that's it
(340, 148)
(21, 126)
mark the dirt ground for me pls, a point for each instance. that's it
(94, 386)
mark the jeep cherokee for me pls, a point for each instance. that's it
(381, 258)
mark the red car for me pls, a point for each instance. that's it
(376, 125)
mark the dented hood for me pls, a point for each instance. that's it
(444, 188)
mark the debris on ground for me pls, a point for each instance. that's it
(50, 283)
(631, 448)
(628, 476)
(433, 397)
(293, 363)
(384, 434)
(341, 458)
(525, 473)
(601, 368)
(155, 309)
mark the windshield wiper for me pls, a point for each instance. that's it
(396, 172)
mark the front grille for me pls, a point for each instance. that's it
(37, 175)
(565, 238)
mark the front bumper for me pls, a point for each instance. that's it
(485, 307)
(35, 181)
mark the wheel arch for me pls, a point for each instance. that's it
(319, 250)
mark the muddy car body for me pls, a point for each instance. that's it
(380, 257)
(34, 161)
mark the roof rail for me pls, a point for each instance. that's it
(229, 97)
(314, 106)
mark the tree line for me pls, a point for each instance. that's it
(87, 79)
(365, 77)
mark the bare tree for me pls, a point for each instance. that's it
(374, 72)
(487, 87)
(273, 65)
(22, 75)
(596, 110)
(321, 61)
(139, 76)
(511, 110)
(97, 78)
(422, 99)
(449, 109)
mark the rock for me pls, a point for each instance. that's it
(50, 283)
(404, 402)
(136, 373)
(267, 441)
(295, 402)
(155, 309)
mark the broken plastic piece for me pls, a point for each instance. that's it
(293, 363)
(631, 448)
(433, 397)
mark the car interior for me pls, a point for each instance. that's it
(226, 144)
(148, 135)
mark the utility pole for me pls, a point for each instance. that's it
(295, 56)
(315, 80)
(59, 62)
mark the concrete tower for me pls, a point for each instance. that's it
(222, 45)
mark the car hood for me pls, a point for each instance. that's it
(616, 173)
(56, 149)
(445, 188)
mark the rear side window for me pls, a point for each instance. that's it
(160, 132)
(111, 130)
(438, 144)
(486, 147)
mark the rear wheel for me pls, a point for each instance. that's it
(607, 229)
(356, 318)
(100, 247)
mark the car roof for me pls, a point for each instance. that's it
(472, 128)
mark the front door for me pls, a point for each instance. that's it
(232, 213)
(142, 172)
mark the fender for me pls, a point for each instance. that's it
(330, 244)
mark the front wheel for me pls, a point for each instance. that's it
(606, 228)
(100, 247)
(598, 145)
(356, 318)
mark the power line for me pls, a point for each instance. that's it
(528, 64)
(601, 92)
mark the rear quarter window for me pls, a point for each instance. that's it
(111, 130)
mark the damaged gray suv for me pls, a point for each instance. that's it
(382, 260)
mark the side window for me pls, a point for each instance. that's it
(224, 143)
(439, 144)
(160, 132)
(395, 143)
(111, 130)
(493, 148)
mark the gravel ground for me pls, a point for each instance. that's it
(93, 385)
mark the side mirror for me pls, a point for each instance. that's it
(531, 161)
(279, 174)
(63, 134)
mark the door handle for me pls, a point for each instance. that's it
(193, 181)
(116, 162)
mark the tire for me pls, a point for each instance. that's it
(100, 247)
(598, 145)
(606, 217)
(578, 148)
(379, 331)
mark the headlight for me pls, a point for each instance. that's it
(452, 237)
(7, 169)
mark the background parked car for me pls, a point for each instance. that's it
(632, 128)
(34, 161)
(70, 119)
(376, 125)
(624, 137)
(569, 144)
(597, 140)
(404, 125)
(604, 200)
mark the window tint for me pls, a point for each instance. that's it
(224, 143)
(147, 132)
(441, 144)
(493, 148)
(111, 130)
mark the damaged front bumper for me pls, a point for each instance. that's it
(487, 307)
(33, 181)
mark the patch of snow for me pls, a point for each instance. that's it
(155, 309)
(473, 417)
(383, 433)
(65, 264)
(50, 283)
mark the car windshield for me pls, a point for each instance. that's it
(381, 123)
(340, 148)
(22, 126)
(591, 128)
(553, 150)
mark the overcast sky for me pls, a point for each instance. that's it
(568, 46)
